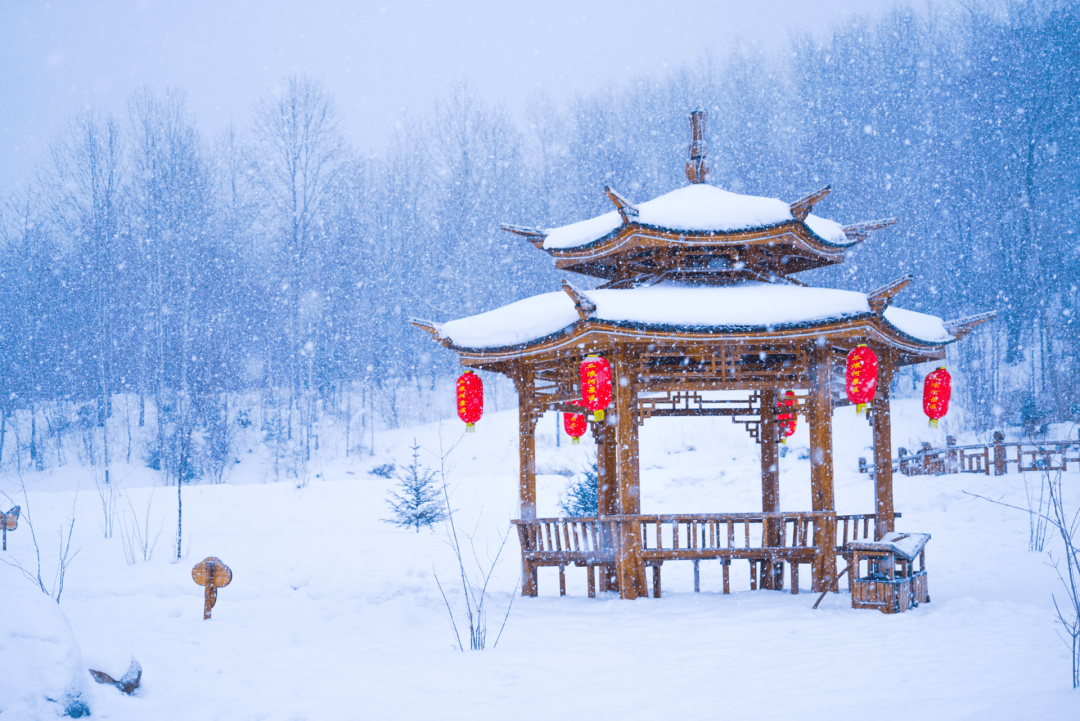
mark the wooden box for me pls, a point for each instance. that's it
(891, 583)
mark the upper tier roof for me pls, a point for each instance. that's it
(699, 234)
(696, 210)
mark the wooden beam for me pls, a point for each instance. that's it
(533, 235)
(802, 207)
(861, 231)
(625, 207)
(433, 328)
(584, 307)
(962, 326)
(881, 298)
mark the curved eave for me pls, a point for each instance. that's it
(857, 328)
(623, 237)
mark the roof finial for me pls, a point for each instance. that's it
(699, 165)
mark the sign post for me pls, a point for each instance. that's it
(212, 574)
(9, 522)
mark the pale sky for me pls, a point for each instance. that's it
(380, 59)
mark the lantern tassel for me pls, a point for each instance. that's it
(783, 441)
(859, 408)
(598, 416)
(575, 441)
(470, 428)
(933, 423)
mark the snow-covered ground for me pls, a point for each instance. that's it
(333, 614)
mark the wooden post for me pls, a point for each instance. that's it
(527, 468)
(819, 415)
(526, 445)
(629, 566)
(773, 575)
(952, 456)
(883, 473)
(999, 453)
(606, 496)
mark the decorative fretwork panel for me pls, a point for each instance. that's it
(727, 363)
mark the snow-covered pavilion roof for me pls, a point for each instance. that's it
(747, 306)
(696, 209)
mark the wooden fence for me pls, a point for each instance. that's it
(998, 455)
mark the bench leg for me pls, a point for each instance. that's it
(528, 579)
(727, 576)
(795, 578)
(753, 575)
(656, 581)
(697, 576)
(591, 573)
(562, 580)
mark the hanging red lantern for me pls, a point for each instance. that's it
(937, 389)
(861, 376)
(788, 415)
(575, 424)
(470, 399)
(596, 385)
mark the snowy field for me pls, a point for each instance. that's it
(333, 614)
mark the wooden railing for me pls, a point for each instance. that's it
(561, 541)
(856, 527)
(766, 540)
(729, 535)
(999, 455)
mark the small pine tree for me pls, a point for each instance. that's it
(581, 495)
(417, 501)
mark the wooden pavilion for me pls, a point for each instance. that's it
(698, 297)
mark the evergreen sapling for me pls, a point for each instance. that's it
(581, 495)
(417, 502)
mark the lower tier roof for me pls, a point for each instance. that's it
(743, 307)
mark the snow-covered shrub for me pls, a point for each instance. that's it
(42, 673)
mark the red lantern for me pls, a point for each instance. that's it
(861, 376)
(596, 385)
(575, 424)
(470, 399)
(937, 389)
(788, 415)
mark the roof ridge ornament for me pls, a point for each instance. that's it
(802, 207)
(584, 307)
(534, 235)
(627, 210)
(960, 327)
(699, 166)
(881, 298)
(860, 231)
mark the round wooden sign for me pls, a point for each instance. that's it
(221, 573)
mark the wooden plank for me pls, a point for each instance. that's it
(697, 575)
(656, 581)
(562, 580)
(727, 576)
(590, 572)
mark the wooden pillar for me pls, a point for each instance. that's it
(819, 415)
(768, 433)
(527, 467)
(606, 494)
(526, 445)
(629, 566)
(883, 474)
